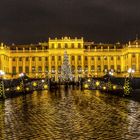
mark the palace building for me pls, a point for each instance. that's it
(86, 58)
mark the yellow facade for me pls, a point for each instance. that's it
(86, 58)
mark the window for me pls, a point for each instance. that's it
(92, 68)
(14, 59)
(105, 58)
(66, 45)
(46, 69)
(72, 57)
(73, 69)
(39, 69)
(86, 68)
(27, 58)
(59, 45)
(39, 58)
(92, 58)
(98, 68)
(53, 69)
(99, 58)
(20, 59)
(52, 57)
(112, 67)
(134, 67)
(33, 68)
(59, 58)
(27, 69)
(118, 58)
(46, 58)
(79, 57)
(86, 58)
(33, 58)
(112, 58)
(14, 70)
(59, 69)
(79, 69)
(105, 67)
(133, 55)
(79, 45)
(20, 69)
(118, 68)
(52, 45)
(72, 45)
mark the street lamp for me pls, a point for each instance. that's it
(21, 75)
(2, 92)
(131, 71)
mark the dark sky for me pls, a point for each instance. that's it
(31, 21)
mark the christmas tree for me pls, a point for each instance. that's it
(66, 74)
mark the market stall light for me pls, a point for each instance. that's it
(86, 86)
(104, 88)
(34, 84)
(45, 86)
(89, 80)
(97, 83)
(114, 87)
(27, 89)
(18, 88)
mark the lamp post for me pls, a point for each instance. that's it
(130, 72)
(21, 75)
(2, 91)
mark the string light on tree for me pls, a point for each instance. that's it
(66, 74)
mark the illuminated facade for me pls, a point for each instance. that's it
(86, 58)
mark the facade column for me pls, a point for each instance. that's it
(82, 58)
(56, 68)
(137, 63)
(89, 65)
(129, 61)
(30, 66)
(43, 65)
(50, 67)
(23, 61)
(96, 69)
(10, 65)
(76, 73)
(17, 65)
(102, 64)
(122, 64)
(108, 62)
(115, 63)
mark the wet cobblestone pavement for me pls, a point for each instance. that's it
(69, 115)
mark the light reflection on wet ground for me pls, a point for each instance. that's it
(69, 115)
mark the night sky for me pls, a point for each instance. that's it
(31, 21)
